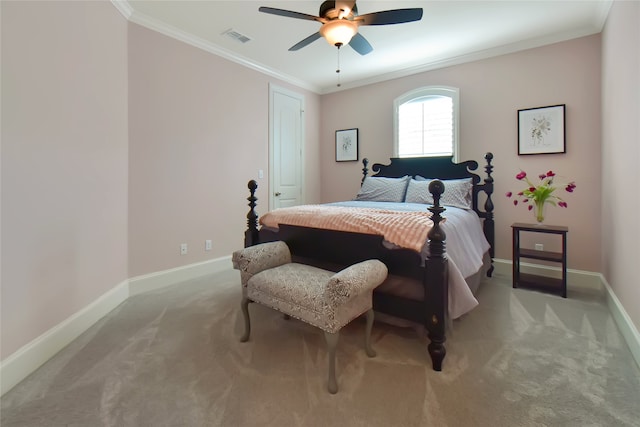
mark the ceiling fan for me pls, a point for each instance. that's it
(340, 22)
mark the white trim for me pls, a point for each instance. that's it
(437, 64)
(123, 7)
(161, 279)
(624, 322)
(591, 281)
(273, 89)
(577, 279)
(131, 15)
(31, 356)
(423, 92)
(153, 24)
(603, 13)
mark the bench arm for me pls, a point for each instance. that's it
(254, 259)
(356, 280)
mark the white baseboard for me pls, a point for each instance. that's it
(576, 279)
(586, 280)
(160, 279)
(622, 319)
(27, 359)
(31, 356)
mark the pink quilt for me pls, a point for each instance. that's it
(405, 229)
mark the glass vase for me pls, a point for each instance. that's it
(539, 211)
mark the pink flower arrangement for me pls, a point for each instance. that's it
(536, 196)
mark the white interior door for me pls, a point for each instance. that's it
(286, 148)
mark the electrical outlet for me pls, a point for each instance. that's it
(183, 249)
(539, 247)
(207, 245)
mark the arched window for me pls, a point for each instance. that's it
(426, 122)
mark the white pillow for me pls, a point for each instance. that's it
(379, 189)
(457, 192)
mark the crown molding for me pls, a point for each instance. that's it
(123, 7)
(604, 7)
(143, 20)
(131, 15)
(465, 58)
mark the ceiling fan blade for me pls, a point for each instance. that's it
(313, 37)
(386, 17)
(360, 44)
(288, 13)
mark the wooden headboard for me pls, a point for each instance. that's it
(444, 168)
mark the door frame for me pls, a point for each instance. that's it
(273, 89)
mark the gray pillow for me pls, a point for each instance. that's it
(457, 192)
(418, 191)
(379, 189)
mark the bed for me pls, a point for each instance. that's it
(425, 281)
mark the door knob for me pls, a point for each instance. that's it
(278, 193)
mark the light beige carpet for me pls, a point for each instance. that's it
(173, 358)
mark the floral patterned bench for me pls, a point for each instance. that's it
(321, 298)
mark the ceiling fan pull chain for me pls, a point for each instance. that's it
(338, 69)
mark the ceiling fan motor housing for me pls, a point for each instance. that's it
(328, 10)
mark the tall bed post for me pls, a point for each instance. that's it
(365, 169)
(436, 283)
(488, 225)
(251, 235)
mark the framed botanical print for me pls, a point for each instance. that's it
(541, 130)
(347, 145)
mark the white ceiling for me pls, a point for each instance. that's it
(450, 32)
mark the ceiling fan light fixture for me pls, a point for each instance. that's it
(339, 32)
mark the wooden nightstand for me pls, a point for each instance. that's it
(549, 284)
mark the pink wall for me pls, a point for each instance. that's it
(491, 92)
(110, 162)
(199, 130)
(64, 162)
(621, 153)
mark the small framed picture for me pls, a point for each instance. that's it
(347, 145)
(541, 130)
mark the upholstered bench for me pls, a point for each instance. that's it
(321, 298)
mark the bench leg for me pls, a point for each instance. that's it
(367, 335)
(244, 305)
(332, 343)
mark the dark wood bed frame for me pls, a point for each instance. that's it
(335, 250)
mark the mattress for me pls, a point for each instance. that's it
(466, 248)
